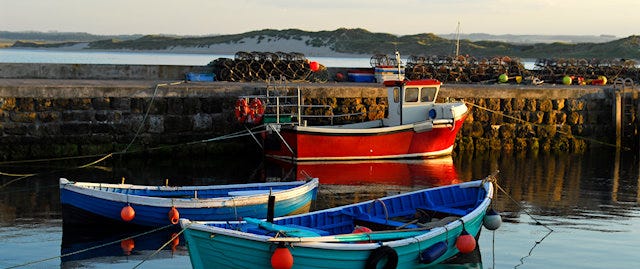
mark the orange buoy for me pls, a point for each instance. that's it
(465, 242)
(314, 66)
(281, 258)
(174, 215)
(256, 111)
(127, 246)
(127, 213)
(242, 110)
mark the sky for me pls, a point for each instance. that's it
(620, 18)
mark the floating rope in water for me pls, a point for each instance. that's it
(92, 248)
(493, 179)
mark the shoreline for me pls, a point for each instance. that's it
(246, 45)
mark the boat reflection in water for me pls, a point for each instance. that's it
(84, 246)
(419, 173)
(346, 182)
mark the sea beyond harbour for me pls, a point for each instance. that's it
(559, 210)
(11, 55)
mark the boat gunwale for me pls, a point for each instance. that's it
(301, 188)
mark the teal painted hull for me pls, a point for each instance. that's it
(217, 247)
(222, 252)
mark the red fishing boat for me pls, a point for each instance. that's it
(416, 126)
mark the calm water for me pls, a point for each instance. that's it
(590, 201)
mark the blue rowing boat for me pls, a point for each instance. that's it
(159, 206)
(410, 230)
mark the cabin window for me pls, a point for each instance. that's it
(411, 94)
(396, 95)
(427, 94)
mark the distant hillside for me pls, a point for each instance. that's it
(59, 36)
(533, 39)
(363, 42)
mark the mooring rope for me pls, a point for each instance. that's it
(91, 248)
(54, 171)
(146, 114)
(124, 151)
(162, 247)
(109, 155)
(494, 180)
(540, 125)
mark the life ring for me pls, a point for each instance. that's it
(380, 254)
(242, 110)
(256, 111)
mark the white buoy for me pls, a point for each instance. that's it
(492, 220)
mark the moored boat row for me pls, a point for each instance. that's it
(268, 225)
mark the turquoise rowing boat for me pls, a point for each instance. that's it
(410, 230)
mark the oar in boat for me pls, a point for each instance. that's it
(355, 237)
(286, 230)
(371, 236)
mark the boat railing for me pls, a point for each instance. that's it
(282, 107)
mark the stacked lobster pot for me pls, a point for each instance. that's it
(260, 66)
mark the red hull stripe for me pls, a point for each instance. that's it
(399, 143)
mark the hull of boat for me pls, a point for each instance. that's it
(211, 246)
(313, 144)
(154, 211)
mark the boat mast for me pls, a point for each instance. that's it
(398, 61)
(458, 40)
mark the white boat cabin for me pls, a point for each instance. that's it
(414, 101)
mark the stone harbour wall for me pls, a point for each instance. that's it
(536, 118)
(44, 118)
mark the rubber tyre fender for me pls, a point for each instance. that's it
(379, 254)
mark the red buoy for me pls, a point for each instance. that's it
(127, 246)
(465, 242)
(361, 229)
(127, 213)
(314, 66)
(282, 258)
(174, 215)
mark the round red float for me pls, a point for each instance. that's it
(314, 66)
(282, 258)
(361, 229)
(465, 242)
(127, 213)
